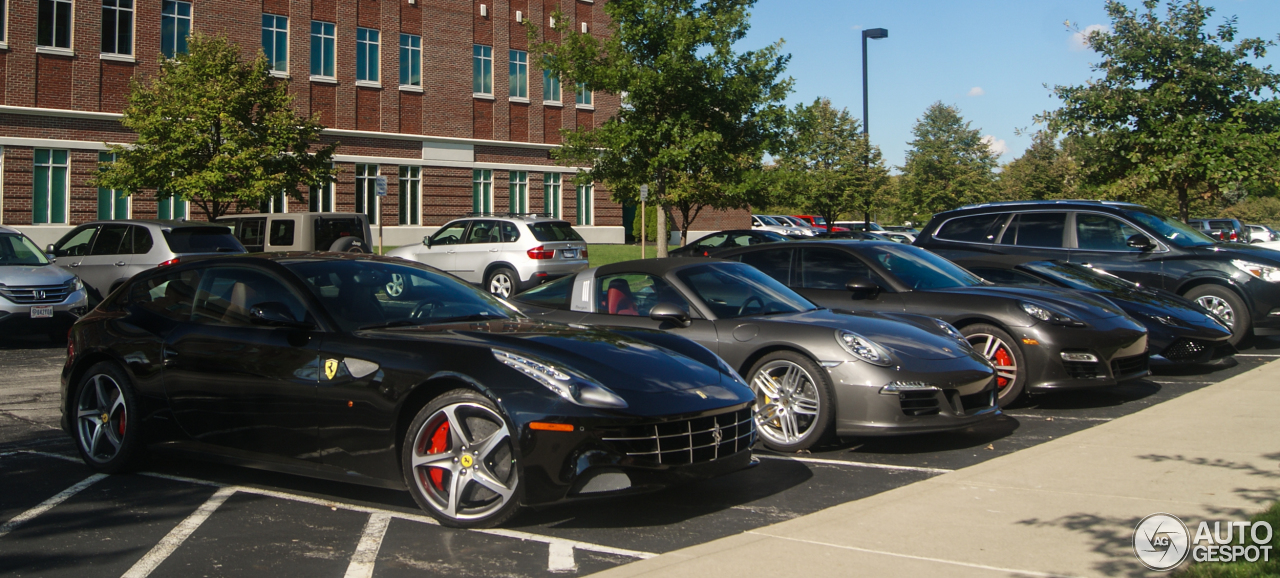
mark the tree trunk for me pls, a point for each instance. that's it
(866, 220)
(663, 236)
(1183, 204)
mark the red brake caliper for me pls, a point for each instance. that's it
(1002, 358)
(439, 443)
(123, 416)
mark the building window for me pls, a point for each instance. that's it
(550, 87)
(275, 41)
(53, 24)
(519, 68)
(117, 27)
(410, 195)
(585, 97)
(175, 27)
(367, 191)
(320, 199)
(4, 21)
(277, 203)
(551, 194)
(367, 54)
(519, 199)
(586, 203)
(482, 191)
(323, 41)
(410, 60)
(52, 168)
(171, 208)
(112, 203)
(482, 69)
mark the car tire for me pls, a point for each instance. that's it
(781, 427)
(349, 245)
(108, 430)
(502, 282)
(1228, 306)
(998, 347)
(460, 462)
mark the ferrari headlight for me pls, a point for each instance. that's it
(1043, 313)
(575, 388)
(863, 348)
(951, 330)
(1264, 272)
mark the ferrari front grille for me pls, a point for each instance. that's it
(690, 441)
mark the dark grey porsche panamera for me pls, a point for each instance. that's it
(817, 373)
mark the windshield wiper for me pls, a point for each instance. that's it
(472, 317)
(390, 324)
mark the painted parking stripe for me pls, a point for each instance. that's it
(48, 504)
(856, 464)
(179, 534)
(1183, 382)
(367, 550)
(560, 558)
(1257, 355)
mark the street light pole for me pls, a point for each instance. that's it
(875, 34)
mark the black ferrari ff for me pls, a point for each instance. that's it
(1039, 339)
(303, 363)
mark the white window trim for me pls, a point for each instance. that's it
(279, 73)
(410, 88)
(512, 183)
(192, 30)
(377, 201)
(51, 49)
(401, 47)
(324, 79)
(329, 191)
(590, 198)
(417, 193)
(558, 196)
(482, 96)
(368, 84)
(521, 99)
(186, 207)
(311, 38)
(288, 45)
(586, 107)
(488, 208)
(524, 98)
(55, 51)
(4, 45)
(66, 194)
(555, 103)
(133, 39)
(377, 45)
(117, 57)
(492, 75)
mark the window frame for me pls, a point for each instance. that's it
(482, 71)
(113, 196)
(410, 62)
(327, 190)
(517, 69)
(369, 192)
(186, 208)
(274, 32)
(53, 46)
(277, 201)
(177, 17)
(583, 97)
(328, 36)
(368, 57)
(482, 190)
(585, 196)
(4, 24)
(410, 189)
(518, 190)
(553, 202)
(65, 195)
(133, 26)
(551, 87)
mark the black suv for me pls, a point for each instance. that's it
(1237, 282)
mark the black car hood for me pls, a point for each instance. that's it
(907, 336)
(1242, 251)
(1077, 305)
(1170, 310)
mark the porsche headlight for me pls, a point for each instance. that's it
(571, 386)
(1264, 272)
(864, 349)
(951, 330)
(1043, 313)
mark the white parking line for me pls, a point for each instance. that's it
(48, 504)
(560, 558)
(1257, 355)
(856, 464)
(367, 550)
(1184, 382)
(179, 534)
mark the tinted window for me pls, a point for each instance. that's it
(972, 229)
(510, 232)
(281, 232)
(634, 294)
(170, 295)
(451, 234)
(547, 231)
(202, 240)
(251, 234)
(554, 294)
(1006, 276)
(18, 250)
(141, 240)
(1035, 230)
(1171, 230)
(1102, 233)
(75, 243)
(227, 294)
(330, 230)
(919, 269)
(830, 269)
(110, 239)
(732, 290)
(776, 263)
(483, 232)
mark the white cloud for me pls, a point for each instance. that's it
(976, 91)
(1080, 40)
(998, 146)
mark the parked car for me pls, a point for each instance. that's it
(855, 235)
(505, 253)
(709, 245)
(105, 254)
(276, 232)
(817, 373)
(1228, 230)
(1238, 282)
(1262, 234)
(805, 228)
(36, 296)
(870, 227)
(472, 407)
(902, 229)
(898, 237)
(1178, 330)
(819, 223)
(771, 224)
(1039, 339)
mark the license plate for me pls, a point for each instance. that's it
(569, 253)
(42, 311)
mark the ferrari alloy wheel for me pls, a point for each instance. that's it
(395, 287)
(793, 410)
(104, 420)
(998, 347)
(460, 459)
(502, 282)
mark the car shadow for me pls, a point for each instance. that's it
(1196, 369)
(30, 342)
(975, 436)
(1110, 396)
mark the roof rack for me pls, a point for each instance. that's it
(1049, 202)
(506, 214)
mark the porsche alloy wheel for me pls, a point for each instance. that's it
(792, 412)
(106, 434)
(461, 462)
(998, 347)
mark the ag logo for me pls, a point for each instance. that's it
(1161, 541)
(330, 368)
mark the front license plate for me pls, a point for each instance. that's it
(42, 311)
(569, 253)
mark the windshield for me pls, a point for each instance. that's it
(920, 269)
(735, 290)
(202, 240)
(19, 250)
(548, 231)
(1172, 230)
(767, 221)
(1080, 277)
(819, 220)
(368, 294)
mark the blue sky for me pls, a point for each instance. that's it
(990, 58)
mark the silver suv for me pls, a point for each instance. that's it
(105, 254)
(504, 253)
(36, 296)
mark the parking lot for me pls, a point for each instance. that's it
(200, 519)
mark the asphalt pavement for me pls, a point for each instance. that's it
(184, 517)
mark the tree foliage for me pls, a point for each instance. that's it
(1044, 171)
(1178, 110)
(948, 164)
(1255, 210)
(695, 110)
(217, 131)
(826, 165)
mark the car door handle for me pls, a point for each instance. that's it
(168, 355)
(493, 250)
(77, 264)
(119, 263)
(450, 252)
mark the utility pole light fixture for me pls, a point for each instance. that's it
(875, 34)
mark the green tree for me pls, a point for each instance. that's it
(1178, 110)
(826, 165)
(694, 108)
(217, 131)
(1044, 171)
(1255, 210)
(948, 164)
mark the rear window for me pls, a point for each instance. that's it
(202, 240)
(973, 229)
(554, 295)
(329, 230)
(548, 231)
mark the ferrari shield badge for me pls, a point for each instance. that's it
(330, 368)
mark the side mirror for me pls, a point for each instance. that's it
(275, 314)
(427, 241)
(862, 288)
(1140, 242)
(51, 256)
(670, 312)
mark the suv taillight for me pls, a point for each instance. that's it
(541, 252)
(1234, 237)
(173, 261)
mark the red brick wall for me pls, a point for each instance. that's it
(53, 81)
(367, 108)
